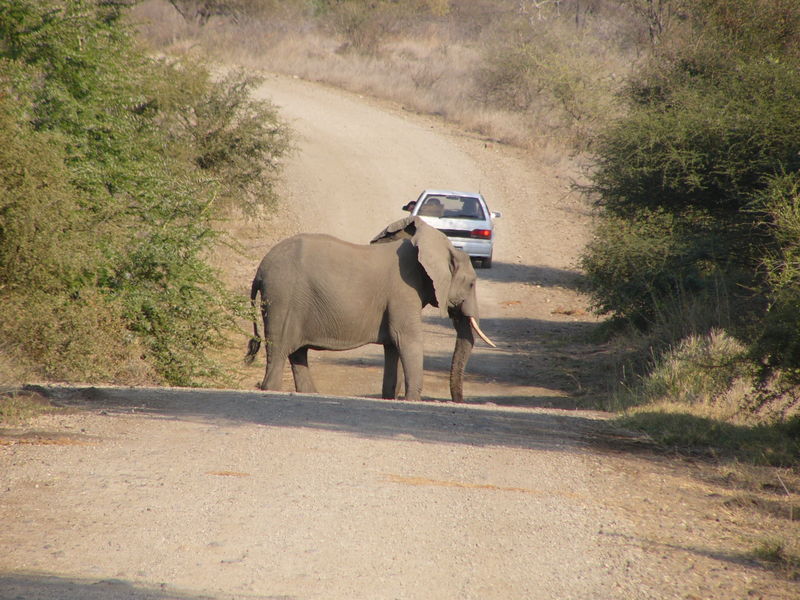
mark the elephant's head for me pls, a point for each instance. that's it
(453, 281)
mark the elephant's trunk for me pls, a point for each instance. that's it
(464, 343)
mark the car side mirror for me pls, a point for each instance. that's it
(496, 215)
(410, 206)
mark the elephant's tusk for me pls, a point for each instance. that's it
(482, 335)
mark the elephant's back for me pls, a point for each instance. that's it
(315, 247)
(321, 259)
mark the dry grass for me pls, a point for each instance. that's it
(768, 498)
(434, 65)
(17, 407)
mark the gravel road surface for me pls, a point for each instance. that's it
(153, 493)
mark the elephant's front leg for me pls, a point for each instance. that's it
(391, 366)
(302, 374)
(412, 359)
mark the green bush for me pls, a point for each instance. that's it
(80, 336)
(778, 344)
(656, 270)
(39, 210)
(681, 179)
(702, 141)
(113, 166)
(626, 263)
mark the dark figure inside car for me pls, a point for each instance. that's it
(432, 208)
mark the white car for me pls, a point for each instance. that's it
(463, 217)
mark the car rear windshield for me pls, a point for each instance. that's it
(452, 207)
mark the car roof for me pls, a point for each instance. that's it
(440, 192)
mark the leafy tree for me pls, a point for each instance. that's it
(108, 188)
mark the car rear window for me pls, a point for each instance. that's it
(452, 207)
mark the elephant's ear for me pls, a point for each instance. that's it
(436, 255)
(399, 230)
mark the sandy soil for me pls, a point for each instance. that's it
(145, 493)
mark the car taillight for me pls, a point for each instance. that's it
(481, 234)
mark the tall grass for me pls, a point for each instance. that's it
(700, 395)
(699, 369)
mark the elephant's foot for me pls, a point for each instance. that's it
(413, 394)
(306, 387)
(272, 380)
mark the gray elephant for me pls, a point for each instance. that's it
(322, 293)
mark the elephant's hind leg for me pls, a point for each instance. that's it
(302, 374)
(276, 359)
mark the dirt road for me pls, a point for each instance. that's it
(359, 162)
(186, 494)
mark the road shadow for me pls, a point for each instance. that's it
(532, 274)
(557, 355)
(40, 586)
(526, 356)
(434, 422)
(741, 559)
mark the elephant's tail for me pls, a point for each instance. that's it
(255, 342)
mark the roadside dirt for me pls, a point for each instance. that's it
(145, 493)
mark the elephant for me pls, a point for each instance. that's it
(322, 293)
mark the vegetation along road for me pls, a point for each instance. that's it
(153, 493)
